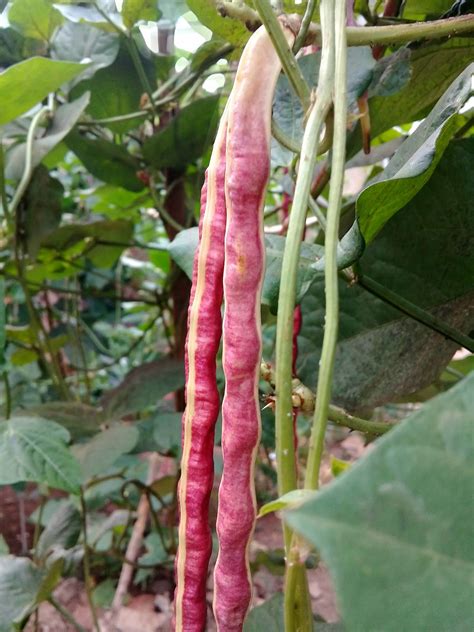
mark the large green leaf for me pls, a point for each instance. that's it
(99, 453)
(425, 254)
(35, 18)
(36, 450)
(396, 529)
(186, 138)
(23, 585)
(18, 93)
(115, 90)
(414, 162)
(228, 29)
(144, 386)
(76, 41)
(106, 161)
(64, 119)
(432, 70)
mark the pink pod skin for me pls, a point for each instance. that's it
(202, 399)
(247, 172)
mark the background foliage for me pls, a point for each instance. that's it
(106, 128)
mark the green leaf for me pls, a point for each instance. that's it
(423, 254)
(172, 9)
(396, 530)
(106, 161)
(115, 90)
(295, 497)
(99, 453)
(183, 248)
(186, 138)
(89, 15)
(102, 255)
(269, 616)
(104, 593)
(135, 10)
(4, 548)
(12, 46)
(64, 119)
(287, 109)
(79, 419)
(35, 18)
(207, 52)
(62, 530)
(18, 93)
(160, 433)
(144, 386)
(21, 357)
(167, 432)
(422, 90)
(155, 554)
(77, 42)
(3, 337)
(36, 450)
(184, 245)
(433, 8)
(414, 162)
(43, 208)
(228, 29)
(274, 246)
(338, 466)
(22, 587)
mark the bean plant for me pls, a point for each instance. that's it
(213, 263)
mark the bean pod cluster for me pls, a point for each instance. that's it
(229, 265)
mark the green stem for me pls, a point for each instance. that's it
(283, 49)
(28, 170)
(341, 418)
(297, 601)
(323, 393)
(116, 119)
(305, 24)
(287, 298)
(38, 525)
(8, 395)
(165, 216)
(86, 563)
(36, 322)
(3, 192)
(313, 205)
(371, 35)
(417, 313)
(66, 615)
(283, 138)
(137, 62)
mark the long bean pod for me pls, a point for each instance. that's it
(247, 172)
(202, 399)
